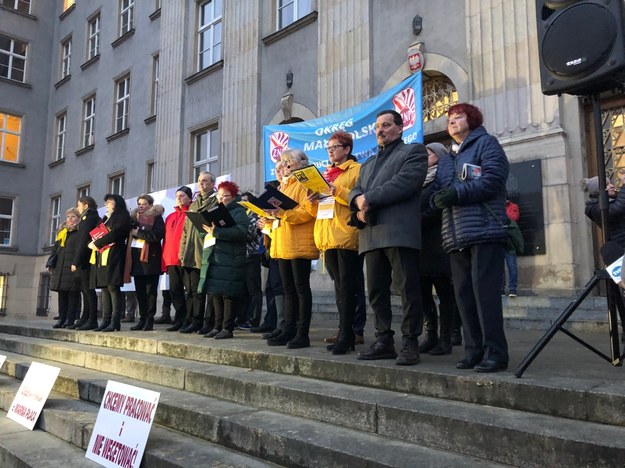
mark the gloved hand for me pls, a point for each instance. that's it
(445, 198)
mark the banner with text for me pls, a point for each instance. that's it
(32, 394)
(123, 425)
(312, 136)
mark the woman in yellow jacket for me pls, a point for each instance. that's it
(337, 240)
(293, 245)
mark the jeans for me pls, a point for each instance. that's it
(512, 272)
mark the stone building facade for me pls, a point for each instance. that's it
(131, 96)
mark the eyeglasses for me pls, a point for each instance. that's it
(333, 148)
(223, 195)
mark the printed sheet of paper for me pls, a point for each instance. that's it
(311, 179)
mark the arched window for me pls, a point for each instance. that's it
(438, 95)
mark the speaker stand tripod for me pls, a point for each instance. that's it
(599, 277)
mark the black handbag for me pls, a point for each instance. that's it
(52, 259)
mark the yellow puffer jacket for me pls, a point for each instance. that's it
(294, 237)
(335, 233)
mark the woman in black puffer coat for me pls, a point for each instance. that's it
(62, 279)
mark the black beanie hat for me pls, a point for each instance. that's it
(186, 190)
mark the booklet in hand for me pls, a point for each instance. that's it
(273, 198)
(311, 179)
(218, 215)
(100, 231)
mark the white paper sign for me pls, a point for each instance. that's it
(33, 393)
(123, 425)
(326, 208)
(2, 359)
(614, 270)
(163, 283)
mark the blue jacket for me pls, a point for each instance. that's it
(469, 222)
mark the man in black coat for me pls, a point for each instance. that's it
(89, 219)
(386, 199)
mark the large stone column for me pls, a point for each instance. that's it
(240, 128)
(169, 160)
(343, 54)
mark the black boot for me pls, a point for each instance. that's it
(345, 343)
(113, 326)
(272, 334)
(175, 327)
(149, 324)
(59, 323)
(430, 341)
(140, 324)
(89, 325)
(301, 340)
(409, 355)
(165, 317)
(281, 339)
(105, 324)
(382, 348)
(442, 347)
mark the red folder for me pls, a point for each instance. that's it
(100, 231)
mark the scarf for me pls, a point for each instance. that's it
(429, 178)
(331, 173)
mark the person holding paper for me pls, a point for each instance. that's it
(335, 239)
(293, 245)
(108, 260)
(143, 261)
(223, 262)
(474, 234)
(386, 202)
(89, 219)
(191, 247)
(63, 279)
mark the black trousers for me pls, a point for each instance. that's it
(295, 276)
(402, 264)
(196, 301)
(146, 288)
(445, 292)
(251, 304)
(112, 304)
(69, 306)
(477, 273)
(225, 311)
(273, 288)
(176, 292)
(89, 297)
(343, 265)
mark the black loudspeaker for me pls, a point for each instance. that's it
(581, 45)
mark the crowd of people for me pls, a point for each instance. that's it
(417, 217)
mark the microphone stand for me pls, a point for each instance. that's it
(613, 292)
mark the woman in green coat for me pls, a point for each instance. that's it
(223, 262)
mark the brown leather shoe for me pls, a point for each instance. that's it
(333, 338)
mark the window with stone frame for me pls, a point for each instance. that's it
(12, 58)
(209, 33)
(10, 135)
(55, 218)
(122, 103)
(206, 151)
(88, 121)
(7, 207)
(66, 57)
(93, 43)
(116, 184)
(23, 6)
(61, 132)
(289, 11)
(155, 81)
(126, 16)
(83, 191)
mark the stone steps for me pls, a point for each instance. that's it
(521, 312)
(533, 424)
(274, 437)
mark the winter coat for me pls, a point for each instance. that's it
(469, 222)
(62, 278)
(88, 221)
(391, 182)
(191, 241)
(111, 273)
(151, 230)
(294, 236)
(335, 233)
(223, 264)
(174, 224)
(616, 216)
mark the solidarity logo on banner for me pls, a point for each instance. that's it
(312, 136)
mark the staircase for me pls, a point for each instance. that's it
(240, 403)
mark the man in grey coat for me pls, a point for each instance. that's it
(386, 201)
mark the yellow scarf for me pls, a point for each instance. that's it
(61, 237)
